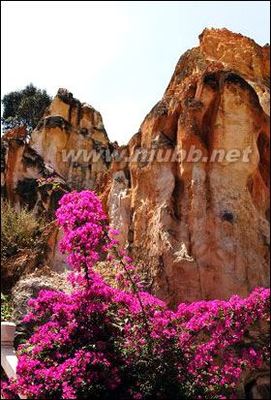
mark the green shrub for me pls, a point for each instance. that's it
(6, 308)
(20, 229)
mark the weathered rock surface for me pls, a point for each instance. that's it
(200, 227)
(29, 287)
(72, 139)
(26, 180)
(36, 171)
(43, 257)
(69, 149)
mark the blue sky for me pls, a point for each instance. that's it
(116, 56)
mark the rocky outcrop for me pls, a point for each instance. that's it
(26, 180)
(71, 138)
(30, 285)
(69, 149)
(201, 225)
(189, 192)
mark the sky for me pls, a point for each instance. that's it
(116, 56)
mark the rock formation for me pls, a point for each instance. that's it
(69, 137)
(201, 227)
(201, 224)
(37, 169)
(69, 149)
(25, 178)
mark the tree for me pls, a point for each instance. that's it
(24, 107)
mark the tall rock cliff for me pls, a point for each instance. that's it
(68, 138)
(189, 192)
(69, 149)
(201, 227)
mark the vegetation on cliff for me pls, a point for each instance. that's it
(20, 229)
(24, 107)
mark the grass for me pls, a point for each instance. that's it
(20, 229)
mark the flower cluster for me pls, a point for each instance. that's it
(216, 338)
(102, 342)
(85, 226)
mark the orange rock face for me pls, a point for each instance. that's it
(37, 171)
(70, 138)
(201, 225)
(189, 193)
(69, 146)
(25, 178)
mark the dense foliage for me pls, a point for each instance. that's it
(20, 229)
(101, 342)
(24, 107)
(6, 308)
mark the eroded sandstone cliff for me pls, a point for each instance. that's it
(68, 138)
(37, 169)
(200, 226)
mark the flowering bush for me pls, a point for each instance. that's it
(102, 342)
